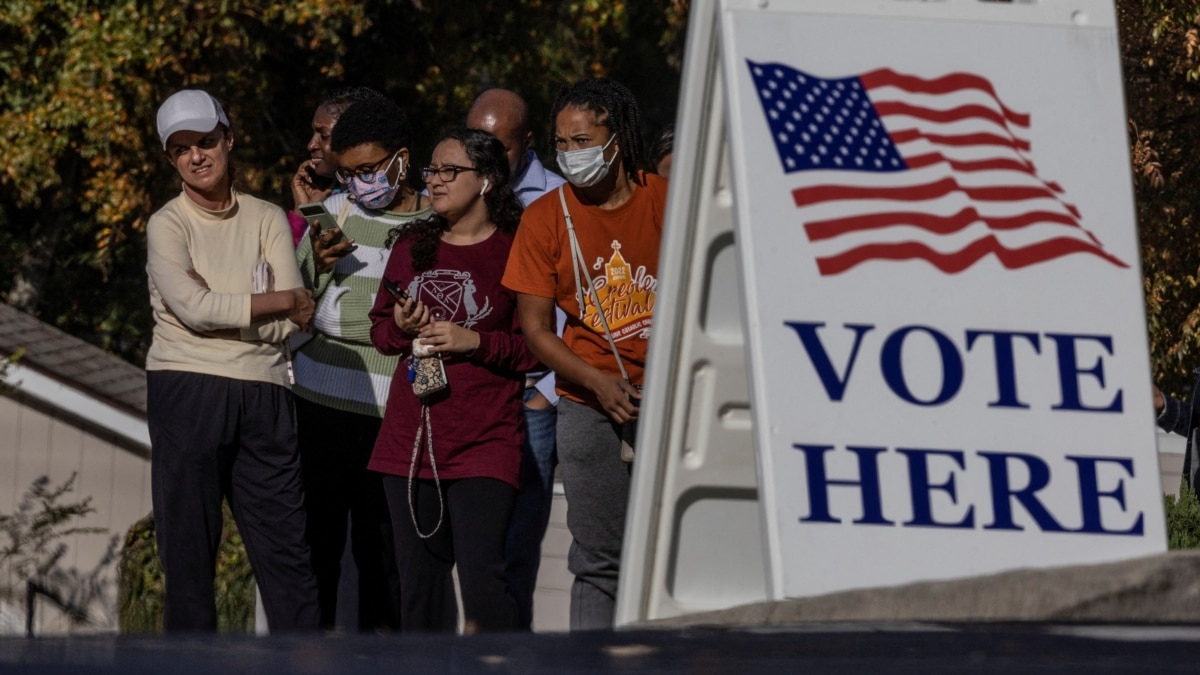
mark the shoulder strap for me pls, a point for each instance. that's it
(579, 266)
(344, 213)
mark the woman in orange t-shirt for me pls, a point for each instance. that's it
(604, 278)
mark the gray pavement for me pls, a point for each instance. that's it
(828, 648)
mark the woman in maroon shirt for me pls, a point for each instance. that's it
(451, 459)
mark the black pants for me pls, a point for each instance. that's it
(335, 447)
(472, 534)
(212, 438)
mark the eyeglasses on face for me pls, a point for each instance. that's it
(446, 172)
(367, 174)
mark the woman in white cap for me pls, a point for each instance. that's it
(220, 411)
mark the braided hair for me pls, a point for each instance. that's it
(614, 107)
(664, 145)
(487, 154)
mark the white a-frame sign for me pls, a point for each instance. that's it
(900, 333)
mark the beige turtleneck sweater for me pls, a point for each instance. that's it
(223, 247)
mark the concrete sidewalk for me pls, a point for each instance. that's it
(1156, 589)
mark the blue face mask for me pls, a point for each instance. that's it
(374, 191)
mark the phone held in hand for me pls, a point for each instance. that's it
(318, 181)
(397, 293)
(316, 213)
(634, 401)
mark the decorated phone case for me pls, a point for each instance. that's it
(429, 376)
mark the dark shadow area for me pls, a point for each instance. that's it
(830, 648)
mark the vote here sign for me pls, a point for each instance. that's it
(946, 329)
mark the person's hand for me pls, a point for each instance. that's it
(447, 337)
(614, 394)
(538, 401)
(303, 307)
(328, 247)
(410, 316)
(304, 191)
(1159, 401)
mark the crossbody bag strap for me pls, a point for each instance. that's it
(578, 264)
(344, 213)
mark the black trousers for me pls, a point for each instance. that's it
(335, 447)
(472, 534)
(211, 438)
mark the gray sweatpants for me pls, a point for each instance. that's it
(596, 482)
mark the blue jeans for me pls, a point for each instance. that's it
(531, 514)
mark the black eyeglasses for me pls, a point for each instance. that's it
(447, 172)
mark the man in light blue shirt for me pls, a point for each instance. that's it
(505, 115)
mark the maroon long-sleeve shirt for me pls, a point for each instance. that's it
(476, 423)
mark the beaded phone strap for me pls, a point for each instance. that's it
(427, 431)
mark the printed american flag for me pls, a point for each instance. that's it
(898, 167)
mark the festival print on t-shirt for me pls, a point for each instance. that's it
(626, 296)
(450, 293)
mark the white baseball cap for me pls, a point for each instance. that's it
(189, 110)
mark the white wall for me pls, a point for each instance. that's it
(34, 444)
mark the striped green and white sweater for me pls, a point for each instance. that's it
(340, 367)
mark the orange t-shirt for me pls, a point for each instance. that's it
(620, 249)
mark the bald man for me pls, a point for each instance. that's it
(505, 115)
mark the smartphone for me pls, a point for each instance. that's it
(636, 402)
(392, 287)
(316, 212)
(318, 181)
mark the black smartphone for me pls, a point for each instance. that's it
(318, 181)
(316, 212)
(394, 289)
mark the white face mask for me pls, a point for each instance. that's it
(586, 167)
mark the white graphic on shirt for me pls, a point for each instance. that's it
(451, 292)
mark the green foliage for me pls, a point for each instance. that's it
(1183, 519)
(140, 581)
(7, 362)
(34, 533)
(1161, 57)
(34, 548)
(140, 585)
(83, 78)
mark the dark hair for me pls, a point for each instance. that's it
(614, 107)
(337, 101)
(375, 120)
(663, 145)
(378, 121)
(486, 152)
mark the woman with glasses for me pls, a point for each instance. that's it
(451, 459)
(591, 248)
(341, 379)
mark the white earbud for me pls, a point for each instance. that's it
(486, 183)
